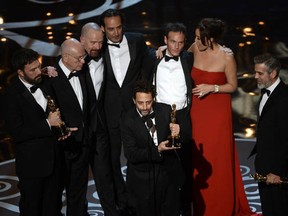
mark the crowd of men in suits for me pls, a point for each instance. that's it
(96, 96)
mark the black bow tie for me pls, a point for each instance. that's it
(264, 90)
(149, 116)
(88, 58)
(73, 74)
(115, 45)
(167, 58)
(34, 88)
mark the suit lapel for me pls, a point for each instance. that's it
(108, 64)
(101, 90)
(63, 84)
(141, 126)
(83, 84)
(186, 71)
(162, 120)
(132, 53)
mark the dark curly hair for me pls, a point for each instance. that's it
(23, 57)
(144, 86)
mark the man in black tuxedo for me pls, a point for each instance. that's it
(92, 40)
(272, 137)
(123, 56)
(71, 95)
(172, 78)
(154, 172)
(36, 149)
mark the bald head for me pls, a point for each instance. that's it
(90, 26)
(73, 54)
(92, 39)
(71, 44)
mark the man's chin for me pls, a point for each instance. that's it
(38, 80)
(144, 113)
(94, 54)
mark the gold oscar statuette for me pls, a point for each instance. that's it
(61, 130)
(260, 178)
(174, 141)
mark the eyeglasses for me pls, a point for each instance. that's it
(80, 58)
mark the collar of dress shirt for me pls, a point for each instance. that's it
(121, 43)
(151, 111)
(273, 86)
(64, 68)
(27, 85)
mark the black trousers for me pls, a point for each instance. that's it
(100, 163)
(119, 183)
(39, 195)
(185, 154)
(274, 199)
(75, 180)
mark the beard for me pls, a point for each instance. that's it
(35, 80)
(144, 112)
(264, 85)
(260, 86)
(94, 53)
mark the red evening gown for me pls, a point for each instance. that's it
(217, 188)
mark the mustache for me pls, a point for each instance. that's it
(39, 76)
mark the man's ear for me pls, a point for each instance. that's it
(165, 40)
(82, 39)
(20, 73)
(134, 100)
(102, 28)
(273, 74)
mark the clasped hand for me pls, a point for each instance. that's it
(175, 130)
(273, 179)
(54, 119)
(202, 89)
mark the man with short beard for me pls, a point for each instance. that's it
(36, 148)
(272, 138)
(91, 39)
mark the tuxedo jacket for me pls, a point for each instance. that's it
(35, 144)
(143, 159)
(272, 134)
(119, 98)
(66, 100)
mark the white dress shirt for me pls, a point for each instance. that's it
(96, 69)
(38, 95)
(75, 83)
(120, 59)
(170, 83)
(265, 96)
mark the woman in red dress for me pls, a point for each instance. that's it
(217, 188)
